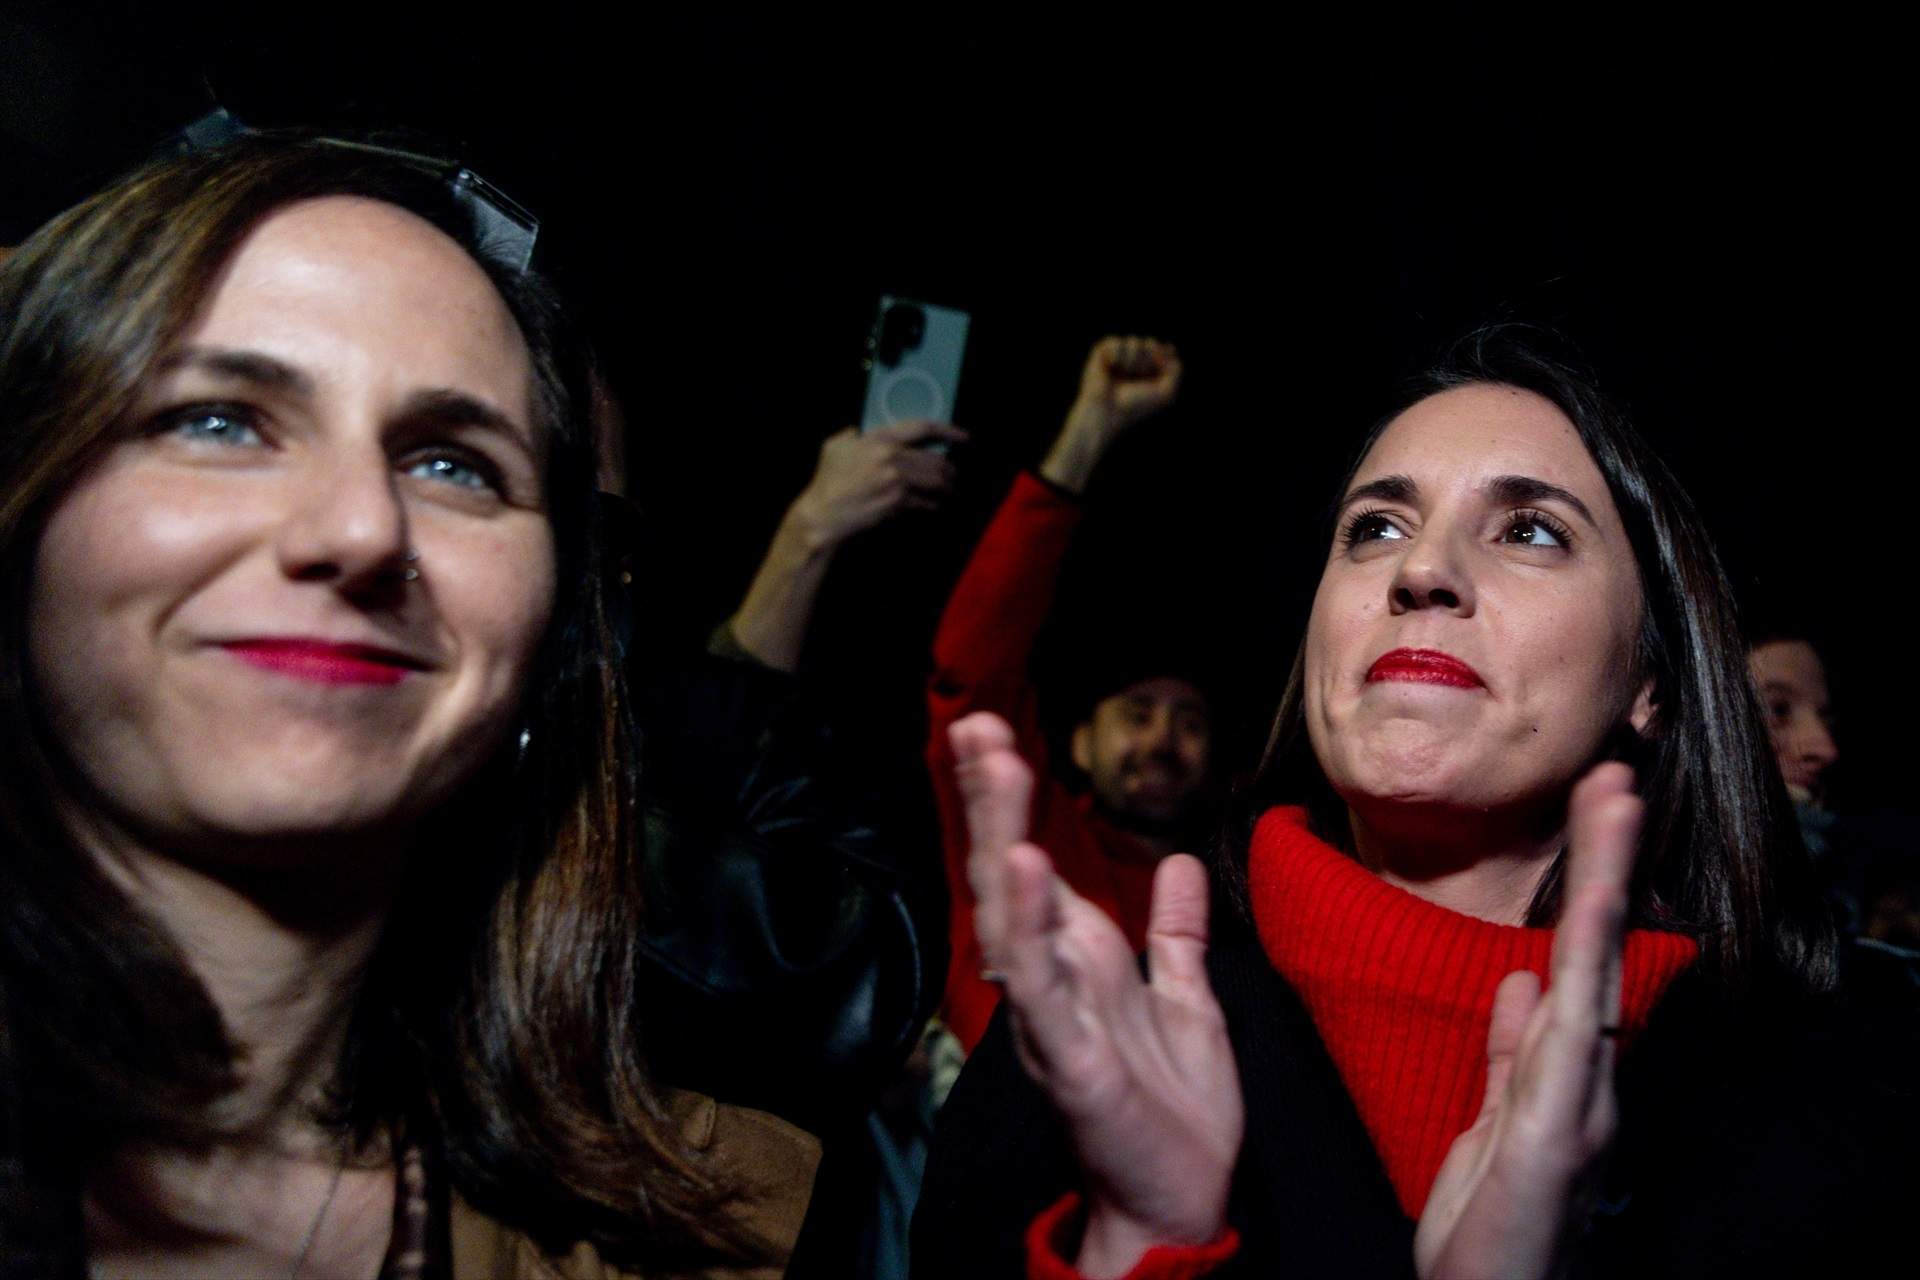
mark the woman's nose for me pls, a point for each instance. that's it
(1813, 741)
(347, 524)
(1430, 576)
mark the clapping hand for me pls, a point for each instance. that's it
(1141, 1071)
(1501, 1203)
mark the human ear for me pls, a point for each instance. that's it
(1081, 746)
(1645, 716)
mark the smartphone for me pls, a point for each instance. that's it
(913, 363)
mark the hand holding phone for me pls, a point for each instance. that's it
(866, 476)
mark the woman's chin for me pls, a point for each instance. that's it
(1403, 799)
(1415, 759)
(1426, 785)
(284, 826)
(1411, 767)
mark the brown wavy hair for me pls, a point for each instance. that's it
(498, 1019)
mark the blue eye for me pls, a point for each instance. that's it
(218, 426)
(455, 470)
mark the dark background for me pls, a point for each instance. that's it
(1309, 208)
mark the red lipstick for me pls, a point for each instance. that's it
(324, 662)
(1424, 666)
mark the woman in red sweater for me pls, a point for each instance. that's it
(1517, 810)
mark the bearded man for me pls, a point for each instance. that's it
(1144, 745)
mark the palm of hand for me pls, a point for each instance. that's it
(1141, 1071)
(1501, 1202)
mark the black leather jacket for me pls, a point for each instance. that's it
(794, 951)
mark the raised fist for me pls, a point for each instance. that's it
(1127, 379)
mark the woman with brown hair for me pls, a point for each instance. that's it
(1513, 968)
(317, 807)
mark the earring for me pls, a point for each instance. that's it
(410, 574)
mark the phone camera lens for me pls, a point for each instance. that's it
(903, 328)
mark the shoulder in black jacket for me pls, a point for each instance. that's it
(794, 947)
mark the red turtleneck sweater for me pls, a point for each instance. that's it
(1401, 992)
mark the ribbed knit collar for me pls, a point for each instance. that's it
(1401, 990)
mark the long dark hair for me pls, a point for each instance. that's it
(1720, 856)
(497, 1020)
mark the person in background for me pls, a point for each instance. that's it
(318, 805)
(1869, 863)
(871, 1174)
(863, 478)
(1145, 745)
(1793, 692)
(798, 917)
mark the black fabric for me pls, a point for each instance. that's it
(1869, 865)
(1770, 1137)
(793, 951)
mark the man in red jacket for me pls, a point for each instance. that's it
(1144, 748)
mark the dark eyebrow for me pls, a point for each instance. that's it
(1526, 491)
(241, 366)
(441, 407)
(1395, 488)
(447, 408)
